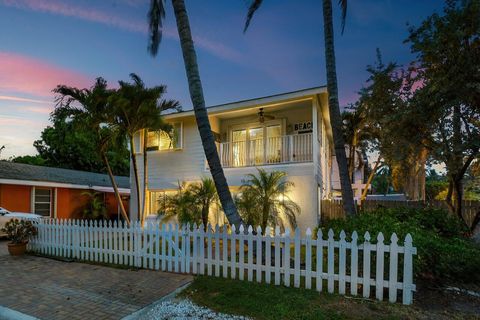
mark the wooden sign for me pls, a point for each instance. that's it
(303, 127)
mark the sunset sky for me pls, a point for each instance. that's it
(44, 43)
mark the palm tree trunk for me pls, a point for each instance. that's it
(201, 115)
(135, 172)
(145, 176)
(115, 189)
(334, 109)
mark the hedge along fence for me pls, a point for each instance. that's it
(333, 209)
(341, 265)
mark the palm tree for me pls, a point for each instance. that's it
(95, 208)
(179, 205)
(156, 15)
(191, 203)
(273, 204)
(93, 113)
(356, 132)
(333, 105)
(136, 109)
(247, 205)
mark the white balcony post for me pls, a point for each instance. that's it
(290, 147)
(222, 158)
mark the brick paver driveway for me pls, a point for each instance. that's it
(51, 289)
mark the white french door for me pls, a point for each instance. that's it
(256, 143)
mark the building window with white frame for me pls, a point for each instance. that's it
(161, 140)
(42, 201)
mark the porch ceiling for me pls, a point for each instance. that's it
(254, 109)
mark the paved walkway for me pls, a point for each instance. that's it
(51, 289)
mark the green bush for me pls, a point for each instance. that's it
(443, 252)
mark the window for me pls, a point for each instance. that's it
(158, 200)
(42, 201)
(162, 140)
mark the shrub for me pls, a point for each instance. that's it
(443, 252)
(19, 231)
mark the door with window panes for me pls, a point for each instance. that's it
(256, 144)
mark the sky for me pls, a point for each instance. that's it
(44, 43)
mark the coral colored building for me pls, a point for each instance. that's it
(57, 193)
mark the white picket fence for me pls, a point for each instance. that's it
(339, 265)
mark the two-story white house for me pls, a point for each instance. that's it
(288, 132)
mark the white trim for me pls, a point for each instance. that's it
(55, 203)
(32, 199)
(278, 99)
(60, 185)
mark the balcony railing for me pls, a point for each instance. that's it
(273, 150)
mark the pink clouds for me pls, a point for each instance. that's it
(68, 10)
(29, 76)
(125, 23)
(19, 99)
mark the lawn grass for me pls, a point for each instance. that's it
(262, 301)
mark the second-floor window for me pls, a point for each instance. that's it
(162, 140)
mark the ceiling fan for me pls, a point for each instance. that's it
(262, 116)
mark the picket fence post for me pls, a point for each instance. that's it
(354, 264)
(407, 270)
(366, 265)
(287, 258)
(380, 267)
(250, 253)
(319, 271)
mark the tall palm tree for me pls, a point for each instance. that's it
(273, 204)
(333, 105)
(89, 108)
(136, 109)
(156, 15)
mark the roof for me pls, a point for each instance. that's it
(27, 172)
(255, 101)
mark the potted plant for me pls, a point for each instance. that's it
(18, 232)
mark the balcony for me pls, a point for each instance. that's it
(272, 150)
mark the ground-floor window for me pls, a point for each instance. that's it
(42, 201)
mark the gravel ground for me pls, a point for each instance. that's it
(182, 310)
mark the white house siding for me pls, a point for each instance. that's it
(303, 193)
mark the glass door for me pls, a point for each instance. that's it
(273, 147)
(239, 154)
(256, 146)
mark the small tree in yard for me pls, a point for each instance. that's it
(269, 193)
(191, 204)
(95, 209)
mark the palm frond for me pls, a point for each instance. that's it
(156, 14)
(254, 6)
